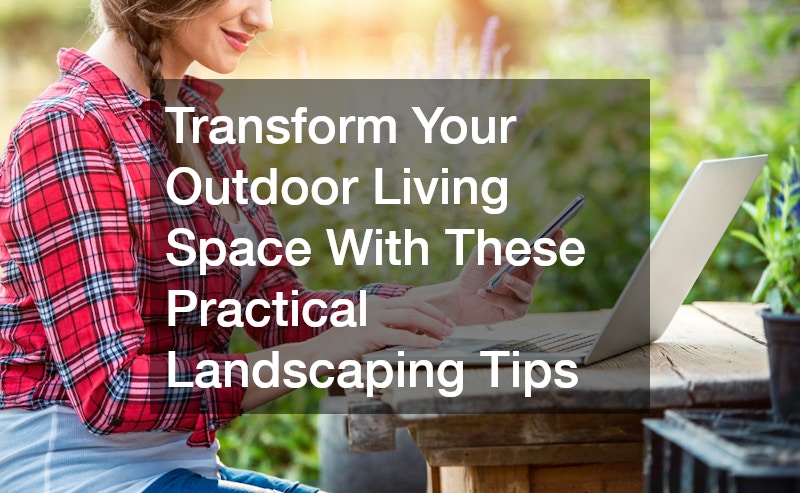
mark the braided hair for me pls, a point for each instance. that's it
(145, 24)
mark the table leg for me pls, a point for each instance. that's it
(606, 477)
(613, 477)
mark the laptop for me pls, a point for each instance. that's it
(655, 291)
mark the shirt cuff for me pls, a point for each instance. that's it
(219, 406)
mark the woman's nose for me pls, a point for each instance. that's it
(259, 15)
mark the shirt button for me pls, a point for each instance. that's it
(116, 421)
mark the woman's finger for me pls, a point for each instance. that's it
(394, 337)
(409, 318)
(519, 288)
(421, 306)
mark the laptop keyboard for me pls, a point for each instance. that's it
(547, 343)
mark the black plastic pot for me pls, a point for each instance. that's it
(783, 347)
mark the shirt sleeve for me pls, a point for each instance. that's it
(66, 227)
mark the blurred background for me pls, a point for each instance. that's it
(723, 82)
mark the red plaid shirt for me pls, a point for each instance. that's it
(84, 218)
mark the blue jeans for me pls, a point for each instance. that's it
(233, 481)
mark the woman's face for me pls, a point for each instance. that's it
(218, 38)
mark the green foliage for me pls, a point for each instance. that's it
(278, 439)
(747, 103)
(776, 214)
(737, 115)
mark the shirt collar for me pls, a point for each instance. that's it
(196, 91)
(121, 98)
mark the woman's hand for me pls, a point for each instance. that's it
(390, 322)
(404, 321)
(472, 304)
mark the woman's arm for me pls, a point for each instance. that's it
(66, 226)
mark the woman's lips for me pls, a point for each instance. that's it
(238, 40)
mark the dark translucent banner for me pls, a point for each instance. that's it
(395, 182)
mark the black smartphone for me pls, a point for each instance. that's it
(557, 223)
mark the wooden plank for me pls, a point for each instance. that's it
(526, 429)
(508, 479)
(741, 317)
(717, 365)
(620, 477)
(561, 454)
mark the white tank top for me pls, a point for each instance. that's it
(51, 451)
(243, 229)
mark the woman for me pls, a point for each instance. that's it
(84, 335)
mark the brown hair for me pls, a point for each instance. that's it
(145, 23)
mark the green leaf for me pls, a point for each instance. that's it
(775, 301)
(748, 238)
(792, 300)
(752, 211)
(767, 279)
(766, 183)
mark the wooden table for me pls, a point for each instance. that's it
(588, 438)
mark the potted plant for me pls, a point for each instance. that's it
(777, 217)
